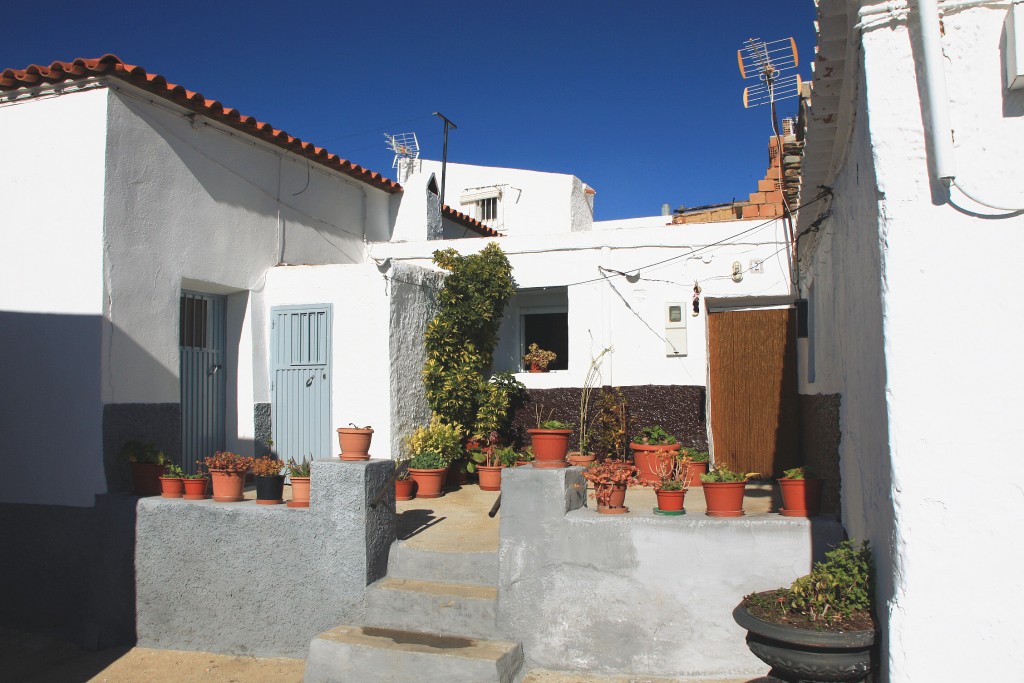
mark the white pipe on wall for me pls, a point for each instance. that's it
(938, 129)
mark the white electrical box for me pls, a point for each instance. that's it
(675, 329)
(1015, 46)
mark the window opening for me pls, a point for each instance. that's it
(192, 328)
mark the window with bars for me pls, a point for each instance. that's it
(487, 209)
(192, 328)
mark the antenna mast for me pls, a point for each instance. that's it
(407, 150)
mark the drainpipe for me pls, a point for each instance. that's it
(938, 128)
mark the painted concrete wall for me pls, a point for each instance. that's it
(943, 392)
(628, 316)
(51, 297)
(637, 594)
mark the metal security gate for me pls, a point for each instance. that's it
(201, 338)
(300, 381)
(755, 419)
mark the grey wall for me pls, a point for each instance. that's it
(819, 443)
(637, 593)
(248, 579)
(158, 423)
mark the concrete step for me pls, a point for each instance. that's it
(408, 562)
(457, 609)
(363, 654)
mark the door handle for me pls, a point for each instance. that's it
(214, 369)
(309, 382)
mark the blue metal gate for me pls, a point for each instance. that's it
(300, 381)
(201, 338)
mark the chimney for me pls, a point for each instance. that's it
(666, 210)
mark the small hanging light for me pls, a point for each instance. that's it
(696, 299)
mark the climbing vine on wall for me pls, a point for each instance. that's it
(460, 340)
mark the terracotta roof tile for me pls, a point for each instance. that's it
(468, 222)
(111, 66)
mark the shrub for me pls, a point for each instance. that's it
(267, 467)
(428, 460)
(228, 462)
(654, 436)
(722, 474)
(172, 471)
(837, 586)
(440, 438)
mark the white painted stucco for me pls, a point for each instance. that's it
(917, 329)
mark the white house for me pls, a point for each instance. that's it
(917, 125)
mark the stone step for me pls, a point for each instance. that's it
(407, 562)
(457, 609)
(364, 654)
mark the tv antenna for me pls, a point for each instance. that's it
(406, 149)
(773, 64)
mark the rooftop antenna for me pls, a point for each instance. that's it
(769, 62)
(406, 149)
(444, 158)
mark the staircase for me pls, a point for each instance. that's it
(432, 618)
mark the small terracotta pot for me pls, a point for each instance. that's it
(405, 489)
(696, 469)
(227, 486)
(490, 477)
(646, 458)
(146, 478)
(300, 492)
(270, 489)
(172, 487)
(429, 483)
(195, 489)
(616, 499)
(724, 499)
(669, 501)
(536, 368)
(579, 460)
(550, 447)
(800, 497)
(355, 443)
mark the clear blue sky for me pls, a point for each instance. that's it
(642, 100)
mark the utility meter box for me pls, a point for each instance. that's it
(1015, 46)
(675, 329)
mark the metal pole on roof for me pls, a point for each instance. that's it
(444, 158)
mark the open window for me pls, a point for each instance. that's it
(544, 320)
(483, 204)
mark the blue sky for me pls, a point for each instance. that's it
(642, 100)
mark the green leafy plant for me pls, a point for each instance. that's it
(555, 424)
(536, 356)
(439, 438)
(526, 455)
(673, 485)
(696, 456)
(607, 435)
(802, 472)
(172, 471)
(428, 460)
(498, 400)
(142, 452)
(837, 586)
(228, 462)
(267, 467)
(721, 474)
(195, 475)
(299, 469)
(654, 436)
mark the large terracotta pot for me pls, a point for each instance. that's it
(355, 443)
(405, 489)
(577, 459)
(146, 478)
(670, 501)
(270, 489)
(550, 447)
(490, 477)
(616, 499)
(646, 457)
(696, 469)
(227, 486)
(800, 497)
(172, 487)
(195, 489)
(429, 483)
(300, 492)
(724, 499)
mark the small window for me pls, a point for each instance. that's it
(192, 322)
(487, 210)
(544, 321)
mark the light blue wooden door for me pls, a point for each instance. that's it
(300, 381)
(201, 338)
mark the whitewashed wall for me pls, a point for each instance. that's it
(51, 298)
(952, 395)
(617, 313)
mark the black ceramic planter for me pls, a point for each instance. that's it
(803, 656)
(270, 490)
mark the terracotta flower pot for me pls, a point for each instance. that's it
(429, 483)
(579, 460)
(405, 489)
(616, 499)
(300, 492)
(270, 489)
(550, 447)
(195, 489)
(646, 456)
(146, 478)
(724, 499)
(172, 487)
(800, 497)
(696, 469)
(669, 501)
(355, 443)
(490, 477)
(227, 486)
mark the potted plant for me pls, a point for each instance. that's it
(431, 449)
(537, 359)
(801, 492)
(525, 456)
(299, 476)
(147, 464)
(172, 481)
(405, 486)
(647, 446)
(355, 442)
(269, 481)
(227, 470)
(821, 628)
(697, 464)
(196, 485)
(723, 491)
(610, 480)
(673, 482)
(489, 464)
(550, 441)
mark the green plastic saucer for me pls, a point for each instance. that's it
(672, 513)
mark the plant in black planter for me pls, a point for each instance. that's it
(820, 628)
(269, 480)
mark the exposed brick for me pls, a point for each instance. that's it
(757, 198)
(766, 185)
(771, 197)
(770, 210)
(750, 211)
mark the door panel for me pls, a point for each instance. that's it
(301, 381)
(201, 341)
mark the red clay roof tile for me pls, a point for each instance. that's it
(468, 222)
(111, 66)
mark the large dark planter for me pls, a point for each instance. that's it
(804, 656)
(270, 490)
